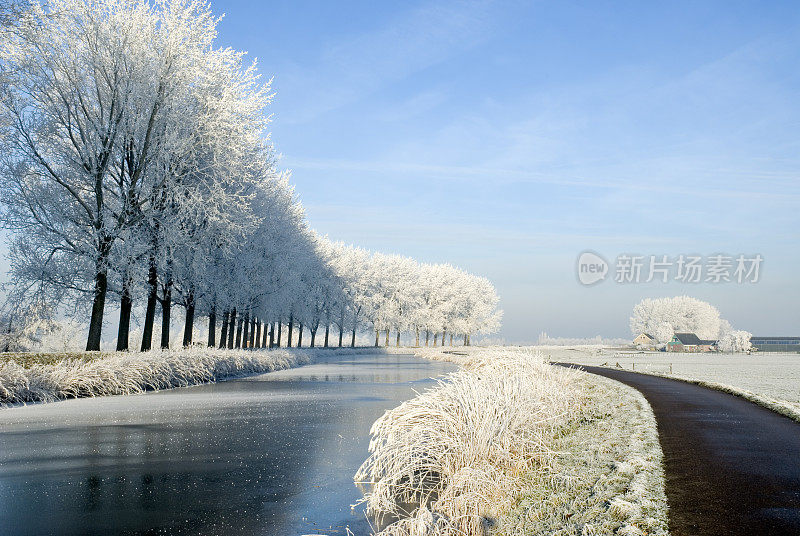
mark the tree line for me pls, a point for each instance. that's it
(137, 167)
(661, 318)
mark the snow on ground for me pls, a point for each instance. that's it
(770, 379)
(527, 448)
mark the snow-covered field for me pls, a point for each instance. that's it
(122, 373)
(513, 443)
(774, 377)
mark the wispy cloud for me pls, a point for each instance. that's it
(412, 107)
(762, 183)
(359, 65)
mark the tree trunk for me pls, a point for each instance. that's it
(7, 346)
(280, 330)
(435, 337)
(150, 311)
(231, 327)
(386, 340)
(327, 331)
(451, 339)
(377, 334)
(166, 305)
(444, 333)
(166, 311)
(300, 336)
(353, 340)
(313, 336)
(427, 336)
(341, 333)
(397, 342)
(246, 330)
(125, 306)
(188, 328)
(223, 337)
(465, 339)
(252, 343)
(271, 334)
(417, 343)
(212, 328)
(99, 301)
(239, 327)
(291, 328)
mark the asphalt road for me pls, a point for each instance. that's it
(731, 467)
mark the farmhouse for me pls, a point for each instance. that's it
(689, 342)
(645, 340)
(776, 344)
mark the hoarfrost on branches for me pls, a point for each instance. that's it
(663, 317)
(137, 166)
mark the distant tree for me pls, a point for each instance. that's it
(663, 317)
(735, 341)
(731, 340)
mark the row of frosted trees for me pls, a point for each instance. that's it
(340, 290)
(136, 169)
(133, 154)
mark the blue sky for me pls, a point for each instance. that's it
(507, 137)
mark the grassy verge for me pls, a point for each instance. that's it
(29, 359)
(607, 477)
(49, 377)
(510, 445)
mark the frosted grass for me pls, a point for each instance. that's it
(467, 456)
(124, 373)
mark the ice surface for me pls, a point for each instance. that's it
(269, 454)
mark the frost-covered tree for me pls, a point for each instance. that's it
(96, 88)
(731, 340)
(136, 163)
(439, 300)
(663, 317)
(352, 267)
(23, 325)
(125, 133)
(735, 341)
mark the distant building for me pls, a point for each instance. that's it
(708, 345)
(689, 342)
(776, 344)
(646, 340)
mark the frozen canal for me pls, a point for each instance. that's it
(269, 455)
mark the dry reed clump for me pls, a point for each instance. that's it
(463, 449)
(127, 373)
